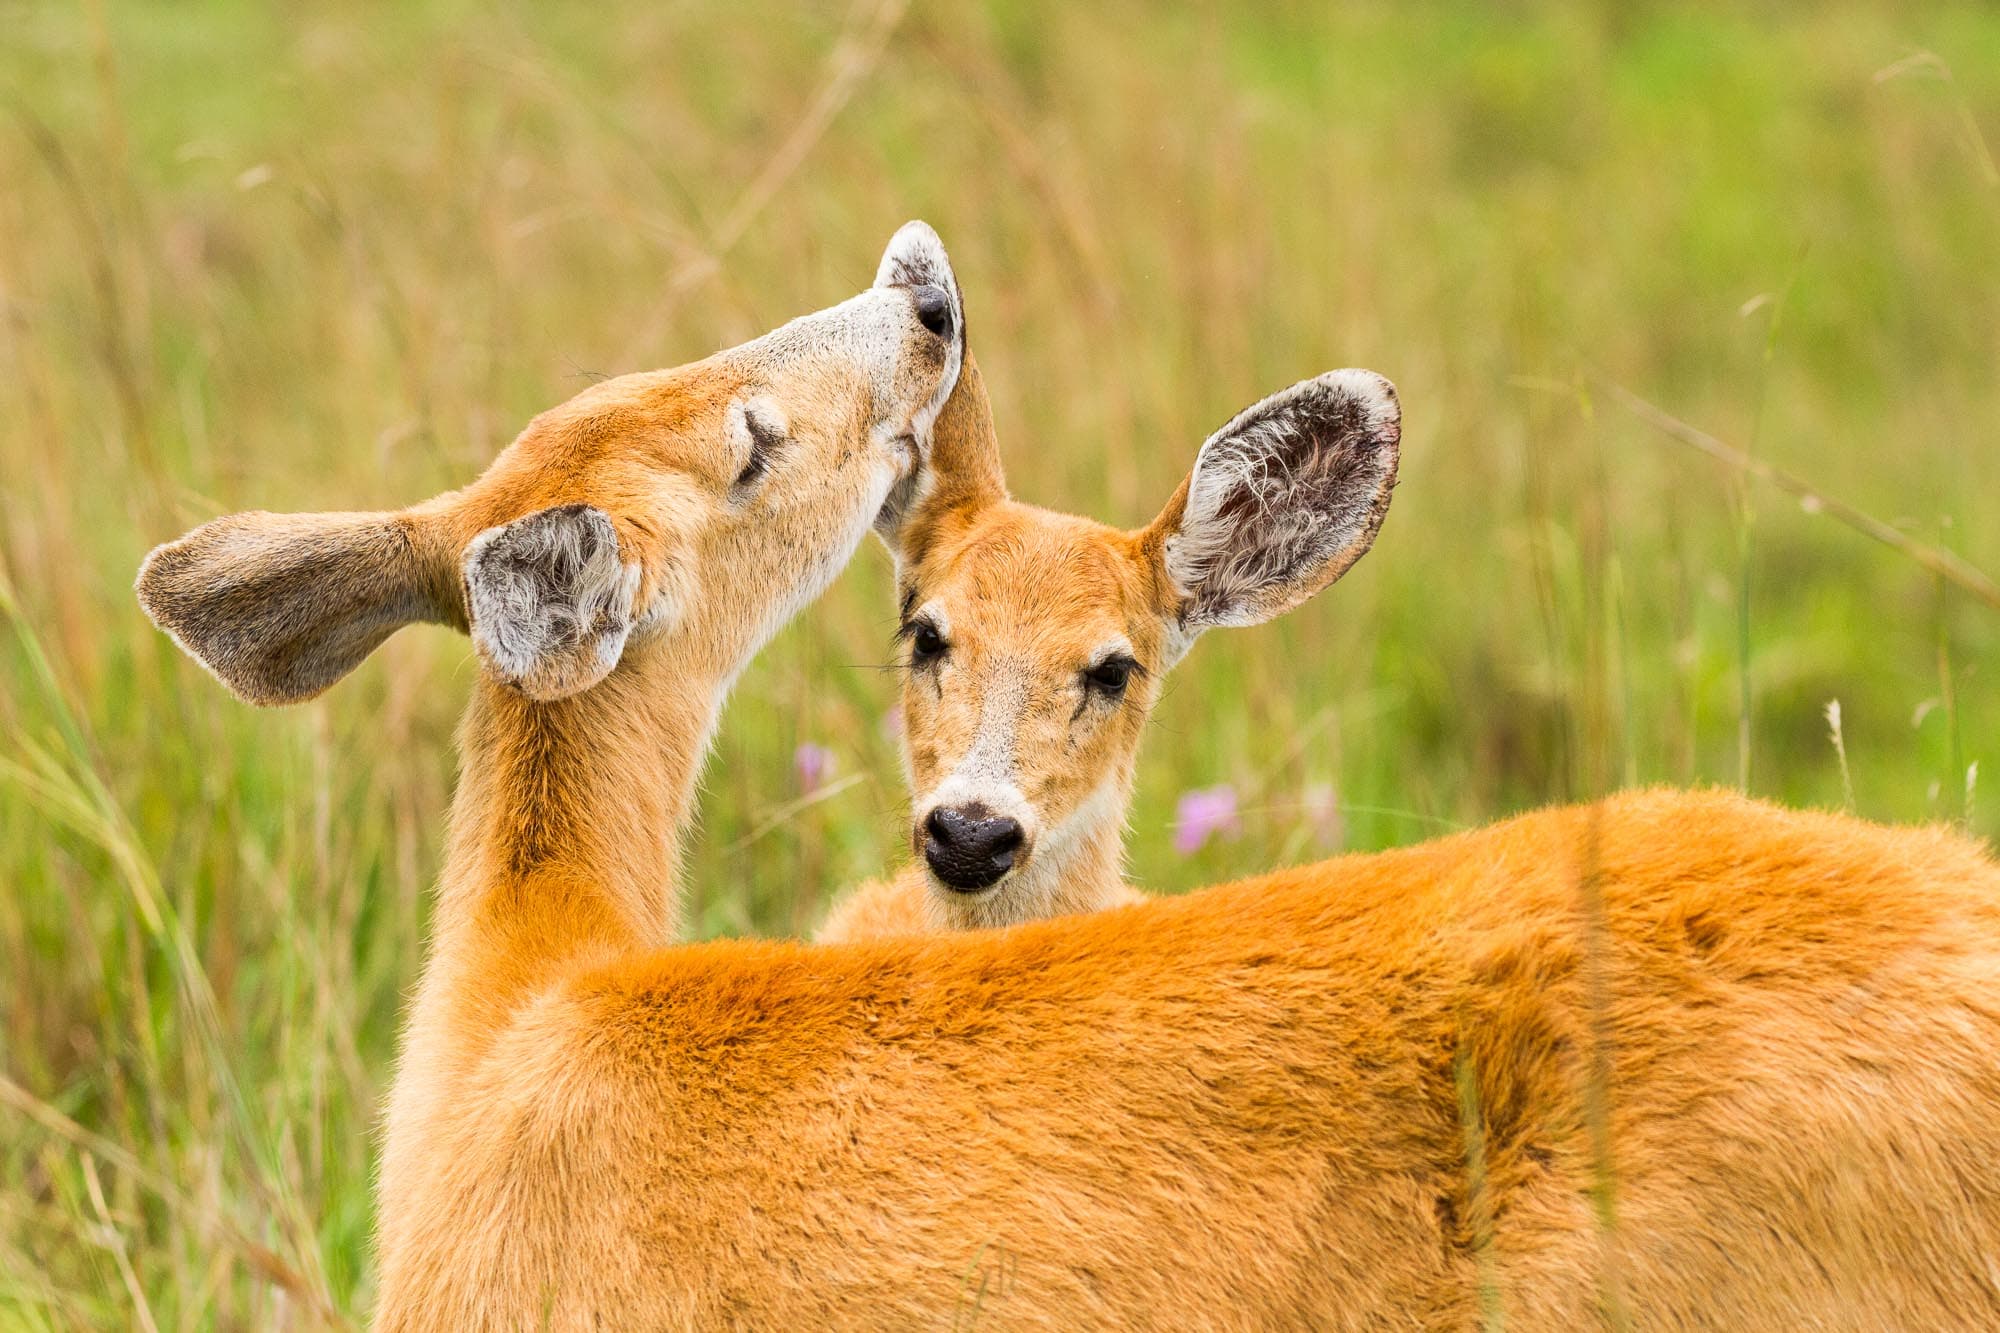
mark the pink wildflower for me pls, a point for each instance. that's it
(1202, 813)
(814, 765)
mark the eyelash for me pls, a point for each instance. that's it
(763, 443)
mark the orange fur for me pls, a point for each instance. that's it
(1766, 1039)
(1241, 1107)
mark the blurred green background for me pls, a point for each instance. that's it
(333, 256)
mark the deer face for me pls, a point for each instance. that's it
(1036, 642)
(735, 488)
(1034, 653)
(706, 503)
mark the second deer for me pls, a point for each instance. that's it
(1036, 643)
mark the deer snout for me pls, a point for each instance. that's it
(969, 847)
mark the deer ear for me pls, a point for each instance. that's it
(279, 606)
(961, 476)
(551, 599)
(1281, 502)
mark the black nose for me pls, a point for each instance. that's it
(969, 847)
(933, 308)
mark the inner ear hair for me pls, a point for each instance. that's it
(279, 606)
(1282, 500)
(551, 598)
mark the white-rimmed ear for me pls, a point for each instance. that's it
(280, 606)
(1281, 502)
(550, 598)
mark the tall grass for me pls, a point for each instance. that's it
(252, 256)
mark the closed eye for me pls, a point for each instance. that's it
(766, 437)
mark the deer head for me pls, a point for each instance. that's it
(1036, 642)
(704, 504)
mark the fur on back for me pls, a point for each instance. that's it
(1246, 1108)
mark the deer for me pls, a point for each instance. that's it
(1035, 645)
(1670, 1058)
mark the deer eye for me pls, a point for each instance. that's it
(1110, 677)
(926, 644)
(766, 436)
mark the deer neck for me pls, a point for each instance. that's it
(1092, 873)
(569, 814)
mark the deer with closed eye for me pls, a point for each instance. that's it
(616, 567)
(1036, 643)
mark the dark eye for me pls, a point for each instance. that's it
(1110, 676)
(926, 644)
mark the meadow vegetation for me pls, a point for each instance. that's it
(268, 257)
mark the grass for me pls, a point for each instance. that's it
(253, 257)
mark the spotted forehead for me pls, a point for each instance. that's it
(1028, 576)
